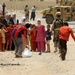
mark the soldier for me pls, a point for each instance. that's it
(58, 22)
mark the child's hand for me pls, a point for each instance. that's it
(47, 35)
(27, 46)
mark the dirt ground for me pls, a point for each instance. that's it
(46, 64)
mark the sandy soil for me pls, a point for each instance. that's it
(46, 64)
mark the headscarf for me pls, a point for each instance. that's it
(23, 23)
(13, 14)
(39, 19)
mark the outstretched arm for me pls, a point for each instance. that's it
(72, 34)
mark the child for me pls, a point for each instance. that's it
(64, 35)
(48, 38)
(9, 36)
(2, 32)
(33, 38)
(40, 37)
(19, 36)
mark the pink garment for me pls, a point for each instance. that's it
(40, 38)
(41, 46)
(40, 34)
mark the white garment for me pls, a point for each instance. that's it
(22, 21)
(13, 14)
(33, 9)
(15, 21)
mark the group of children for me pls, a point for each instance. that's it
(5, 37)
(22, 33)
(38, 37)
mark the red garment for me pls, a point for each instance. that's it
(40, 33)
(9, 34)
(0, 38)
(18, 29)
(25, 34)
(33, 39)
(65, 32)
(41, 46)
(33, 35)
(33, 46)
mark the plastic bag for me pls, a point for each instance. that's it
(26, 53)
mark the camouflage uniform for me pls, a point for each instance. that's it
(73, 16)
(56, 25)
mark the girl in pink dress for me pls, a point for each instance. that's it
(40, 38)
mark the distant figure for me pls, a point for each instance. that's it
(33, 13)
(14, 19)
(26, 12)
(9, 18)
(3, 21)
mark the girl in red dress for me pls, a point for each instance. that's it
(8, 36)
(33, 38)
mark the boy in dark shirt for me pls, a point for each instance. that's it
(48, 38)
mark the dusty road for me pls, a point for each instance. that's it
(46, 64)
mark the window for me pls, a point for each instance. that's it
(58, 10)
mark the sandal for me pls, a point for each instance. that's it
(18, 55)
(55, 51)
(40, 53)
